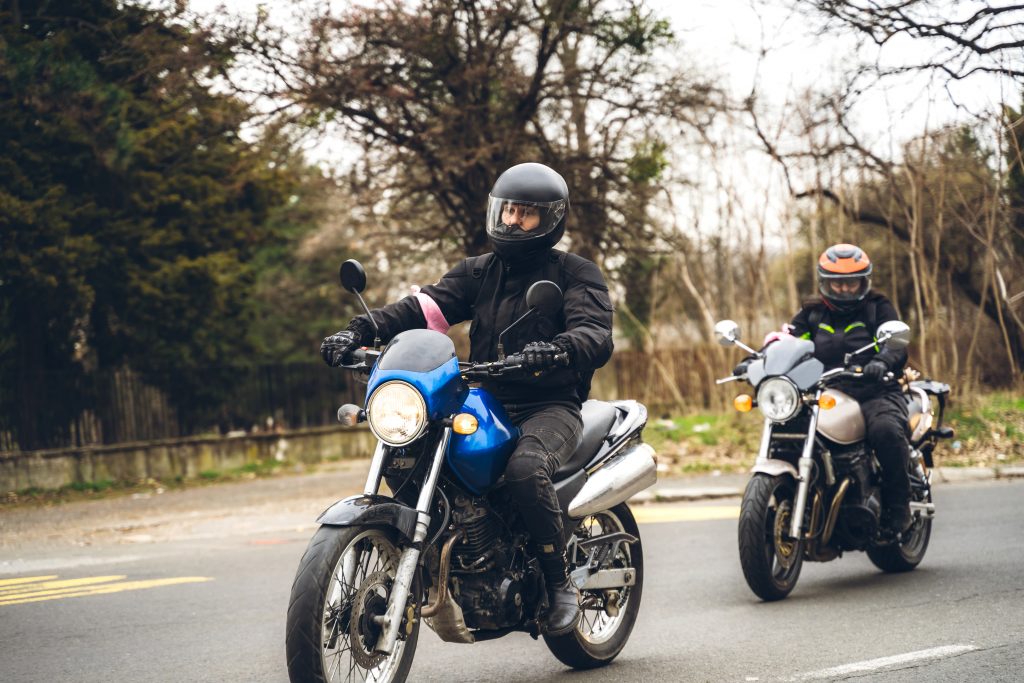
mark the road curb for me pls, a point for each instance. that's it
(685, 495)
(942, 475)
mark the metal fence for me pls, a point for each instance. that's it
(119, 406)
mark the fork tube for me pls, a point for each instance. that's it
(410, 556)
(806, 461)
(766, 441)
(376, 471)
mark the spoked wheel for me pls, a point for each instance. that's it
(771, 560)
(908, 553)
(608, 614)
(340, 592)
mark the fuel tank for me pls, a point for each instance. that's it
(844, 423)
(479, 459)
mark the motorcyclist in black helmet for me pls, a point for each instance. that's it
(526, 214)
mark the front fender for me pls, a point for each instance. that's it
(775, 468)
(364, 510)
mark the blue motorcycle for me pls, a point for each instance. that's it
(447, 547)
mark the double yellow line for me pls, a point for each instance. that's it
(40, 588)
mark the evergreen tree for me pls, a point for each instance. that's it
(130, 207)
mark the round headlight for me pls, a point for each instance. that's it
(778, 399)
(396, 413)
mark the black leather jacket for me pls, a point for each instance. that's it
(837, 333)
(492, 294)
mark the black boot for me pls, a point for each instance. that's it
(563, 598)
(896, 514)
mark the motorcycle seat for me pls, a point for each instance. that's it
(598, 418)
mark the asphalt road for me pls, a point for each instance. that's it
(209, 604)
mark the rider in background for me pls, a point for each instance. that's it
(526, 213)
(845, 318)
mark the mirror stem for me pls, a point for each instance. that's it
(501, 342)
(376, 330)
(746, 348)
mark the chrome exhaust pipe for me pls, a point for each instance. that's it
(620, 477)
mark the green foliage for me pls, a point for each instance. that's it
(130, 207)
(648, 162)
(92, 486)
(702, 429)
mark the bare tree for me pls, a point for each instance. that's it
(443, 95)
(958, 38)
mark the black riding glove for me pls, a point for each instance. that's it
(741, 368)
(875, 370)
(540, 355)
(335, 349)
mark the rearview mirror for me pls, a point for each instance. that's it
(353, 277)
(727, 332)
(544, 296)
(895, 334)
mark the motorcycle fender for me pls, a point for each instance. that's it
(364, 510)
(775, 468)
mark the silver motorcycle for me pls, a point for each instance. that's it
(815, 490)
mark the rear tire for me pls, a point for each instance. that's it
(330, 631)
(908, 553)
(771, 563)
(599, 637)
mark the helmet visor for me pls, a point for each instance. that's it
(844, 287)
(514, 219)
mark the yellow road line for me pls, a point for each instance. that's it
(104, 589)
(25, 579)
(53, 586)
(654, 514)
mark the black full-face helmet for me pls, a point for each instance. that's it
(526, 211)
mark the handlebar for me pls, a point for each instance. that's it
(364, 360)
(512, 362)
(854, 372)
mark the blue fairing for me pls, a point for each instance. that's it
(478, 459)
(426, 360)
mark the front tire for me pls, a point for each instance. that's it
(908, 553)
(608, 616)
(771, 561)
(342, 583)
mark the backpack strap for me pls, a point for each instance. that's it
(476, 266)
(814, 317)
(871, 316)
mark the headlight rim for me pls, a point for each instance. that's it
(424, 423)
(797, 403)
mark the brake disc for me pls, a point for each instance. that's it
(370, 601)
(785, 550)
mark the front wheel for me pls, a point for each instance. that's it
(908, 553)
(770, 559)
(340, 591)
(608, 614)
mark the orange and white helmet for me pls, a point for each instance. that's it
(844, 275)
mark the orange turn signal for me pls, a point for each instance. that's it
(743, 403)
(464, 423)
(827, 402)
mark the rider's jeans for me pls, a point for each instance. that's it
(548, 437)
(885, 418)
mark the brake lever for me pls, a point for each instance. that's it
(730, 378)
